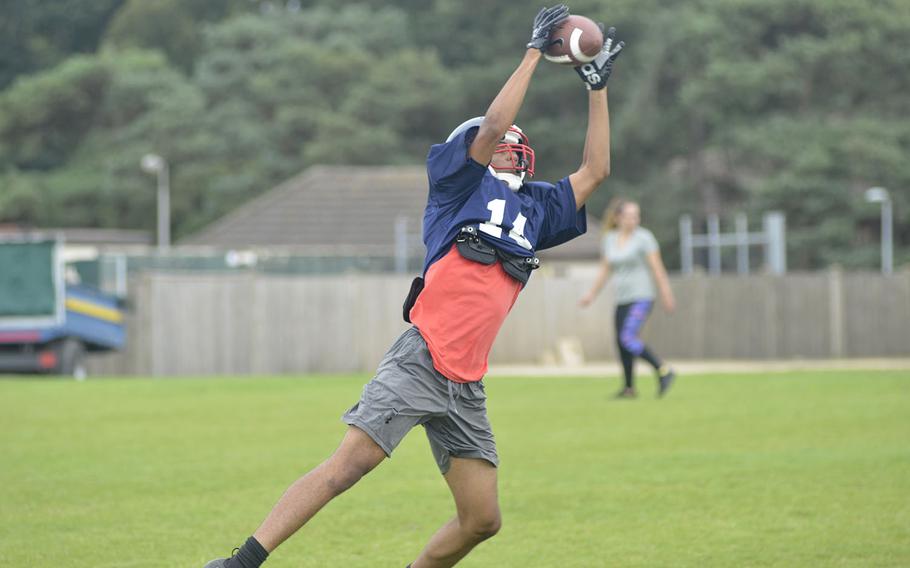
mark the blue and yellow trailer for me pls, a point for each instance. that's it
(46, 325)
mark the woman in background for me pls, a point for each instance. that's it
(632, 254)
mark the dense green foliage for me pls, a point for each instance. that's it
(781, 470)
(718, 106)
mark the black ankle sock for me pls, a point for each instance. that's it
(250, 555)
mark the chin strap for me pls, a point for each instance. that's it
(513, 180)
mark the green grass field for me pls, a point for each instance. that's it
(797, 469)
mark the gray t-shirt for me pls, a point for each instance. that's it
(631, 275)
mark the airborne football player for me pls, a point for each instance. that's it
(483, 224)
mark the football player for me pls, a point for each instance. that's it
(483, 224)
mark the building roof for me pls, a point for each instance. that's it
(342, 209)
(82, 236)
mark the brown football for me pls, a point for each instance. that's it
(576, 41)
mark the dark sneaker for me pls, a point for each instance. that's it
(626, 393)
(664, 382)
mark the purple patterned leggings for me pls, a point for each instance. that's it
(629, 320)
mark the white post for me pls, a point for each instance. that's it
(164, 207)
(887, 238)
(155, 164)
(685, 244)
(836, 335)
(401, 244)
(880, 195)
(775, 242)
(714, 244)
(742, 244)
(120, 275)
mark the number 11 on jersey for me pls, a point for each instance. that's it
(493, 227)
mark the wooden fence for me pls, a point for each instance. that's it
(202, 324)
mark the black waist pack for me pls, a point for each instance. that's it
(416, 289)
(471, 247)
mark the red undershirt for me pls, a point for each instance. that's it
(459, 312)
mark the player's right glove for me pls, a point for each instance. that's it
(596, 73)
(546, 20)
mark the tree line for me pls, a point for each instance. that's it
(717, 106)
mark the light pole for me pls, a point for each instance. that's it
(155, 164)
(880, 195)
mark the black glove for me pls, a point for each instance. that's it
(596, 73)
(546, 20)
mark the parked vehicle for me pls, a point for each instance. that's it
(49, 325)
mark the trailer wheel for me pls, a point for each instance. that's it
(72, 360)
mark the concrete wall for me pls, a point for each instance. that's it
(200, 324)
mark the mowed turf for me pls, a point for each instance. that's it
(798, 469)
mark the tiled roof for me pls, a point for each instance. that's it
(343, 207)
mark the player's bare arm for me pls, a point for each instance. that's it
(502, 111)
(504, 108)
(595, 162)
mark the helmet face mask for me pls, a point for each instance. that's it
(514, 145)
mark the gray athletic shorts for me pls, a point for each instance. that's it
(407, 390)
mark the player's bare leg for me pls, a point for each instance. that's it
(473, 485)
(354, 458)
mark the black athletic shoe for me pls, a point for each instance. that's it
(626, 393)
(664, 382)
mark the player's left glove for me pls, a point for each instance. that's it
(596, 73)
(544, 22)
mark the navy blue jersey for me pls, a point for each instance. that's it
(464, 192)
